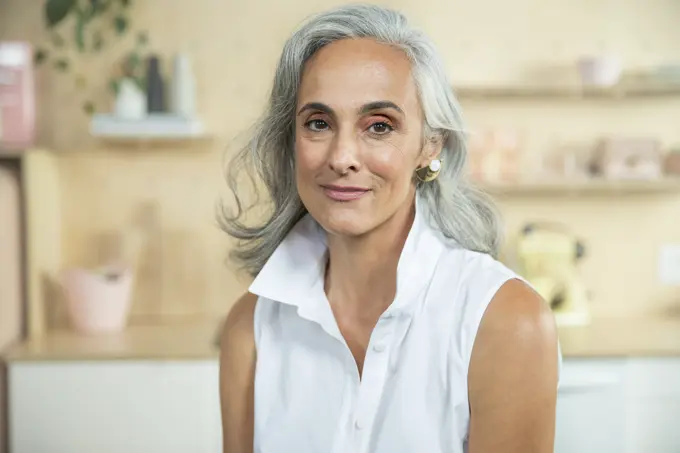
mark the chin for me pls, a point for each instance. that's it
(344, 220)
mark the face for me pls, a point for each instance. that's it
(358, 136)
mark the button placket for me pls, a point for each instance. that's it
(379, 347)
(373, 378)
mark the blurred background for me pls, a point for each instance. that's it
(115, 120)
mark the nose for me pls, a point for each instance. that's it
(344, 154)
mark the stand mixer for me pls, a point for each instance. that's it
(548, 257)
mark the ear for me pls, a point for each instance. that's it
(431, 150)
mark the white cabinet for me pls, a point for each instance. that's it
(115, 406)
(604, 406)
(653, 405)
(619, 405)
(591, 407)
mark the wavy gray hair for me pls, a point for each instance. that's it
(460, 212)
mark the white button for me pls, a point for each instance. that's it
(358, 424)
(379, 347)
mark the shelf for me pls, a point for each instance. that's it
(155, 127)
(591, 187)
(627, 90)
(11, 154)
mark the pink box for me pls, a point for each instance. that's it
(17, 95)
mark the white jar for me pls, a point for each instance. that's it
(130, 101)
(183, 87)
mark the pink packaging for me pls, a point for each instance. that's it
(98, 302)
(17, 95)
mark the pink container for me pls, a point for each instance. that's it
(98, 302)
(17, 95)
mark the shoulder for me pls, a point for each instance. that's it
(237, 375)
(518, 331)
(490, 300)
(237, 341)
(238, 327)
(514, 373)
(516, 310)
(473, 277)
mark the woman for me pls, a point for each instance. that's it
(379, 319)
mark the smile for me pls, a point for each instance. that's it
(344, 193)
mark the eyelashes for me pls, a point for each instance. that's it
(385, 128)
(317, 125)
(377, 129)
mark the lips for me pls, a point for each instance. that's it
(344, 193)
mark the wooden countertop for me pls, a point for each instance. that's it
(172, 341)
(623, 337)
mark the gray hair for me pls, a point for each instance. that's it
(462, 213)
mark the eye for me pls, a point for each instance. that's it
(380, 128)
(316, 125)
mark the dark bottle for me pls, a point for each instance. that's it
(155, 87)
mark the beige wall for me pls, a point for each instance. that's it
(235, 45)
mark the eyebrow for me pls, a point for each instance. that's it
(366, 108)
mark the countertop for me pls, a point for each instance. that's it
(191, 340)
(623, 337)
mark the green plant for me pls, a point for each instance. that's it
(132, 67)
(89, 25)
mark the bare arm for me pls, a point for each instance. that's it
(513, 375)
(237, 372)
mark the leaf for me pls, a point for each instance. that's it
(39, 56)
(88, 107)
(57, 10)
(99, 6)
(134, 60)
(61, 64)
(125, 3)
(120, 23)
(113, 86)
(80, 33)
(142, 83)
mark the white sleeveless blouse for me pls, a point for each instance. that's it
(413, 395)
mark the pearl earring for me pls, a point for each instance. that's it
(429, 173)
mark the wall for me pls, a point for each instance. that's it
(235, 45)
(10, 277)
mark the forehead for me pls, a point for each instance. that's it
(351, 72)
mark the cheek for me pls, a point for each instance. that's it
(308, 158)
(394, 167)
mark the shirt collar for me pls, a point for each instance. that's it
(294, 274)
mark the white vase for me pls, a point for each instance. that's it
(130, 101)
(183, 87)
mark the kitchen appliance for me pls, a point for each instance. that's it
(548, 255)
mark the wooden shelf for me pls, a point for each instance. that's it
(621, 91)
(11, 154)
(588, 187)
(154, 128)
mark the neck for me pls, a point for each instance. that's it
(362, 273)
